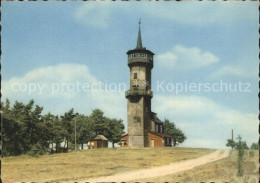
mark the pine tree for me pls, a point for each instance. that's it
(172, 130)
(115, 130)
(85, 129)
(68, 126)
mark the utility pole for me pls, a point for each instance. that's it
(75, 135)
(232, 134)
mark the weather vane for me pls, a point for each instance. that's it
(139, 21)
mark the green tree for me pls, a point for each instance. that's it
(231, 143)
(19, 113)
(240, 146)
(10, 132)
(26, 131)
(35, 129)
(255, 146)
(172, 130)
(68, 126)
(22, 128)
(100, 124)
(85, 129)
(53, 130)
(115, 130)
(59, 132)
(40, 132)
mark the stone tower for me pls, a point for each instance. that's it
(140, 62)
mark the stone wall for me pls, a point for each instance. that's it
(135, 127)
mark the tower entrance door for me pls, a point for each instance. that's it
(152, 142)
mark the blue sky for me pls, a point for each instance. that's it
(194, 42)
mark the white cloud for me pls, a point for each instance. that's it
(59, 88)
(45, 81)
(181, 57)
(235, 70)
(203, 14)
(96, 14)
(99, 14)
(92, 14)
(167, 59)
(203, 119)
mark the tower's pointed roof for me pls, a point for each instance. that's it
(139, 38)
(139, 47)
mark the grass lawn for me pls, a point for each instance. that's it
(224, 170)
(91, 163)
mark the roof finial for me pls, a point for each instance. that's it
(139, 39)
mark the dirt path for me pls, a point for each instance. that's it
(162, 170)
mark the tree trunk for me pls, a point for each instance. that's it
(82, 146)
(65, 142)
(56, 147)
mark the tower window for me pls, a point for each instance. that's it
(137, 55)
(135, 75)
(137, 119)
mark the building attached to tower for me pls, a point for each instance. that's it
(145, 129)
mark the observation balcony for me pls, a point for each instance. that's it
(138, 92)
(140, 61)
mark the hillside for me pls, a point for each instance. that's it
(224, 170)
(91, 163)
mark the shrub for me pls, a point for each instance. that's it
(255, 146)
(240, 146)
(36, 150)
(251, 153)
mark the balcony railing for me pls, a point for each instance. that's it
(140, 60)
(138, 92)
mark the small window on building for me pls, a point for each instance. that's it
(135, 87)
(156, 128)
(135, 75)
(137, 119)
(161, 128)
